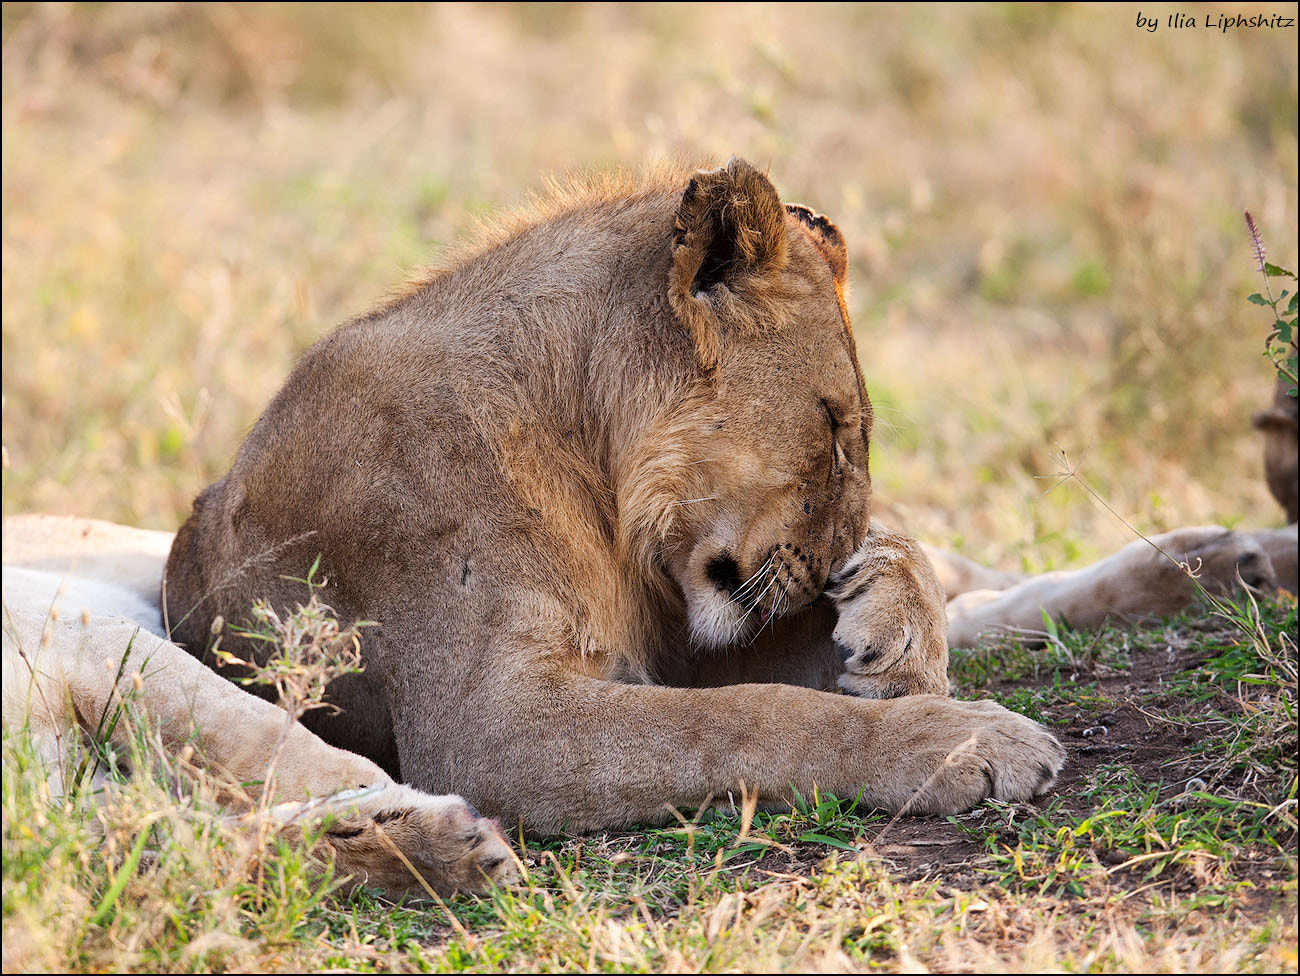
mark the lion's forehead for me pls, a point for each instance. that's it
(796, 382)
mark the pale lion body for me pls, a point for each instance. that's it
(82, 634)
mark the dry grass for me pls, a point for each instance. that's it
(1043, 207)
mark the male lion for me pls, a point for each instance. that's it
(590, 480)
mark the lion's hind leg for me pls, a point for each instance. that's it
(1146, 578)
(399, 840)
(88, 672)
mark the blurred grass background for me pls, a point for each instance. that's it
(1043, 208)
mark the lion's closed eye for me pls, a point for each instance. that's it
(836, 452)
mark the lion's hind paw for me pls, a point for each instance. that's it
(400, 840)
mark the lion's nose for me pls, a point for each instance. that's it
(725, 573)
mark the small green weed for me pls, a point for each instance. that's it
(1060, 648)
(1280, 343)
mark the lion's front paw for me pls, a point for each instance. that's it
(399, 839)
(892, 629)
(943, 756)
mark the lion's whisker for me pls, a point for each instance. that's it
(753, 606)
(693, 501)
(742, 594)
(774, 612)
(745, 587)
(782, 601)
(775, 576)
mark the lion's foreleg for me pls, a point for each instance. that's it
(108, 670)
(565, 751)
(65, 680)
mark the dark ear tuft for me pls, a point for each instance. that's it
(825, 236)
(730, 227)
(729, 223)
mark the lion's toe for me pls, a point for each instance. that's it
(894, 684)
(1026, 761)
(488, 858)
(872, 650)
(1223, 560)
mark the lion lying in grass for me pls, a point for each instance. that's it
(83, 638)
(603, 484)
(1144, 579)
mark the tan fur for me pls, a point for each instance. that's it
(77, 645)
(591, 478)
(1280, 423)
(1282, 547)
(958, 575)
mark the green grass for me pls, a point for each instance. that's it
(1229, 801)
(1102, 876)
(1186, 838)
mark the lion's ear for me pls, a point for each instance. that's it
(825, 236)
(730, 226)
(1274, 419)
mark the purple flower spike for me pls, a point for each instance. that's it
(1254, 236)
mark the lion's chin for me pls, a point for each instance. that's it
(717, 621)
